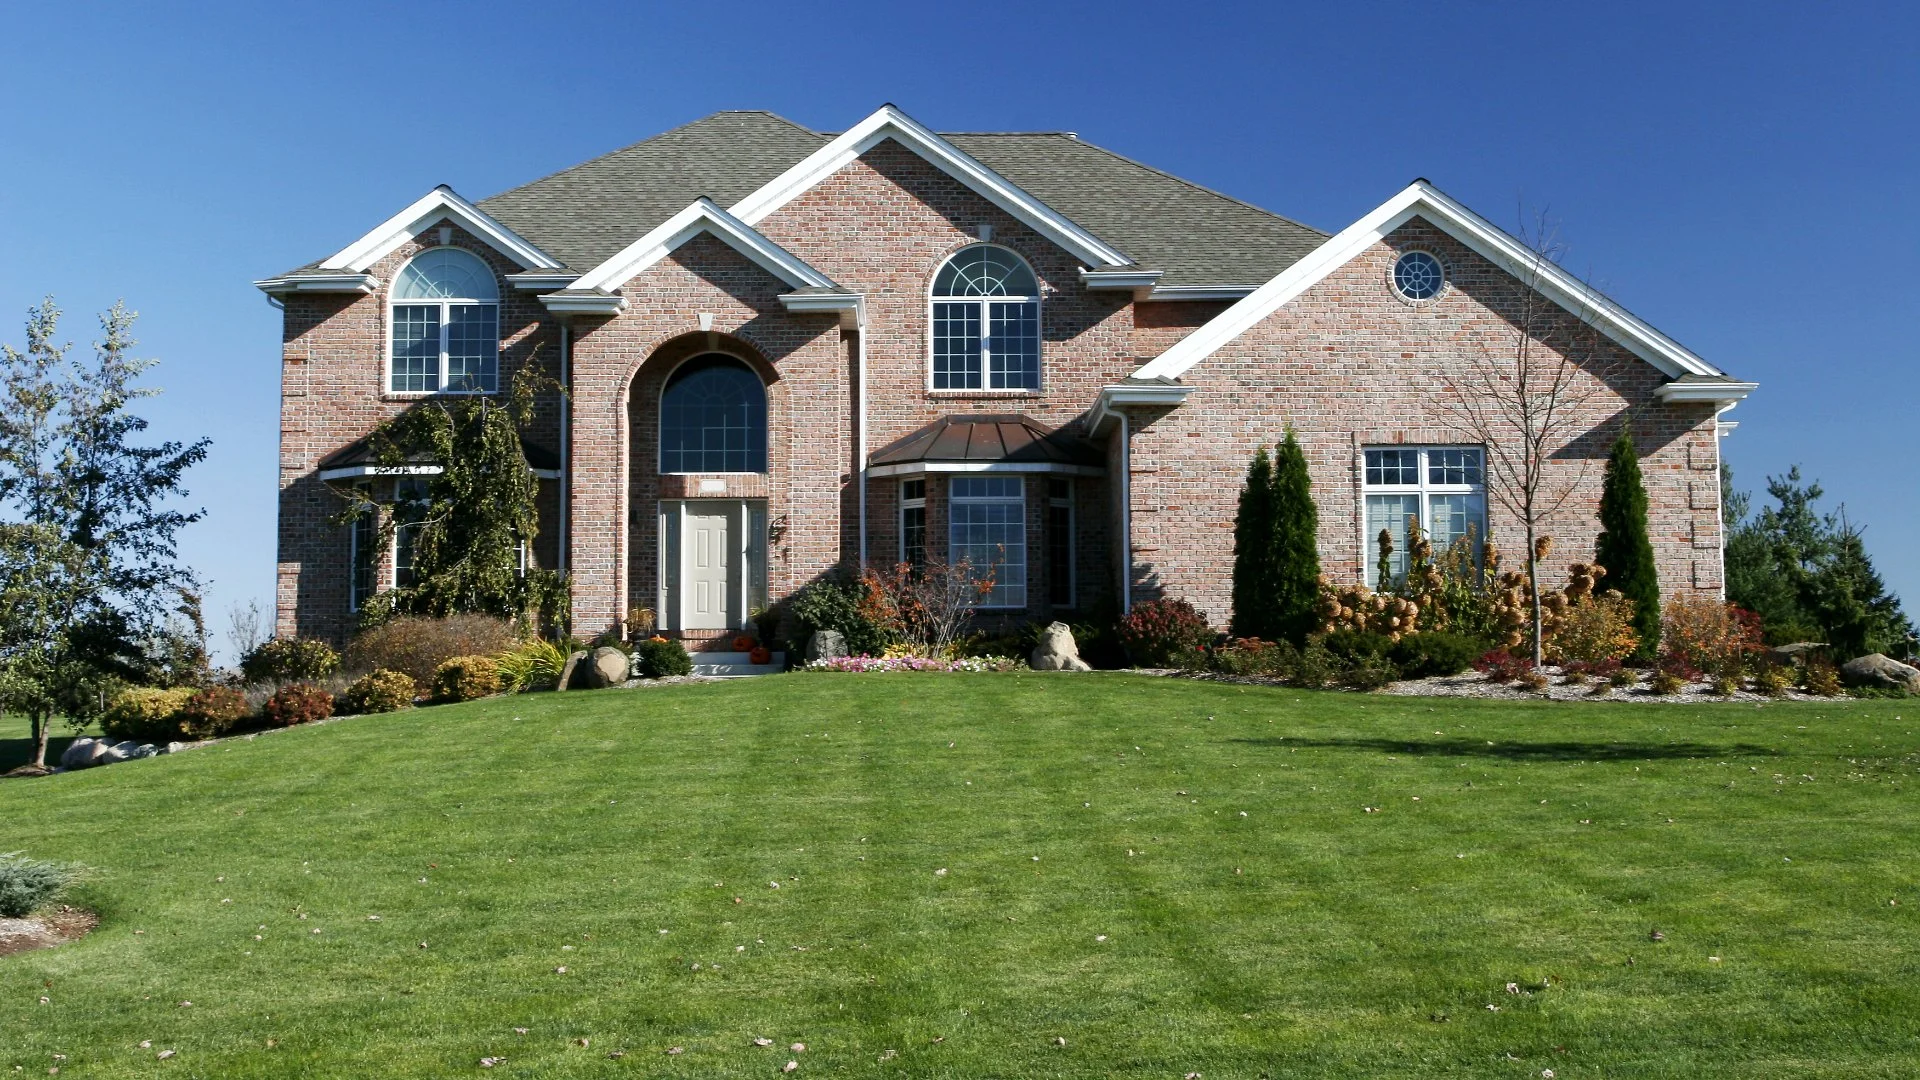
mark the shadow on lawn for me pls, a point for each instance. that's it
(1526, 751)
(16, 752)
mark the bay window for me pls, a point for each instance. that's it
(987, 527)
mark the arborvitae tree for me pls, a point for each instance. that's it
(1624, 548)
(1296, 546)
(1255, 574)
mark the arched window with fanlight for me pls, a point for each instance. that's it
(986, 322)
(446, 325)
(713, 418)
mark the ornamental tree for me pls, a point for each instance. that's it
(1256, 576)
(1624, 547)
(1296, 545)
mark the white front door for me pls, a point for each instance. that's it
(710, 592)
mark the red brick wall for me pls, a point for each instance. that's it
(1349, 364)
(333, 391)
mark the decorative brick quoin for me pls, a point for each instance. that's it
(786, 351)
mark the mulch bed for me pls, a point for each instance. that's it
(46, 930)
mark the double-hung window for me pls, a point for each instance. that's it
(987, 528)
(409, 510)
(986, 322)
(445, 325)
(1441, 489)
(364, 555)
(913, 522)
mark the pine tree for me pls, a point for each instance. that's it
(1624, 548)
(1296, 547)
(1254, 571)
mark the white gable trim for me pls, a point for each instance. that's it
(701, 215)
(437, 205)
(1423, 200)
(890, 123)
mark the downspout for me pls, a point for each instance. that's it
(1126, 516)
(860, 408)
(566, 437)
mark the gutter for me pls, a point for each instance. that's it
(566, 437)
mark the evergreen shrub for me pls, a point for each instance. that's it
(288, 660)
(1624, 548)
(661, 657)
(1435, 654)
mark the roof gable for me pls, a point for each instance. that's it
(1423, 200)
(889, 122)
(440, 204)
(701, 216)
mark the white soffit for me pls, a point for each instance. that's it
(440, 204)
(1423, 200)
(701, 215)
(890, 123)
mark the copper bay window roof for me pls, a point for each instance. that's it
(979, 443)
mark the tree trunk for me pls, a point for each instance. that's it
(1533, 586)
(40, 724)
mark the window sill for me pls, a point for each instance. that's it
(933, 392)
(420, 395)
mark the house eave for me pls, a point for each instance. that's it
(1726, 394)
(542, 280)
(921, 468)
(1162, 395)
(569, 302)
(851, 307)
(288, 284)
(1200, 292)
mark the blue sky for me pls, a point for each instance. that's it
(1739, 175)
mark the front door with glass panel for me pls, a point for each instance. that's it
(713, 558)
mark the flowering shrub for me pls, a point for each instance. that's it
(1359, 609)
(1165, 633)
(1701, 634)
(298, 703)
(380, 692)
(1597, 629)
(1820, 677)
(865, 664)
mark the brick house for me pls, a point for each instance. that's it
(786, 350)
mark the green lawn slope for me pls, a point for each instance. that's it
(1172, 876)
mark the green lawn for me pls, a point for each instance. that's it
(1257, 920)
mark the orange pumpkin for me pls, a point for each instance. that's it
(743, 643)
(761, 655)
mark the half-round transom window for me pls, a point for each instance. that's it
(446, 325)
(1418, 275)
(986, 322)
(713, 418)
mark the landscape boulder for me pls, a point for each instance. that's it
(826, 645)
(1795, 653)
(86, 753)
(1057, 650)
(568, 673)
(1876, 669)
(606, 667)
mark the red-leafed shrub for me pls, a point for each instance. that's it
(1165, 633)
(298, 703)
(1699, 634)
(1501, 666)
(211, 712)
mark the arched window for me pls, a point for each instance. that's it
(713, 418)
(986, 322)
(446, 325)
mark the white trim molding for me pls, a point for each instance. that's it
(1138, 282)
(348, 472)
(850, 306)
(1164, 395)
(1200, 292)
(542, 280)
(1724, 392)
(1422, 200)
(888, 122)
(364, 284)
(702, 215)
(440, 204)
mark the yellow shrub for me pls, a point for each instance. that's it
(144, 715)
(1594, 630)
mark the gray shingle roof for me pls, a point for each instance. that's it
(585, 214)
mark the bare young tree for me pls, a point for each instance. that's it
(1530, 400)
(246, 628)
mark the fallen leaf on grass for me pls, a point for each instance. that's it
(164, 1054)
(797, 1047)
(490, 1062)
(676, 1049)
(519, 1031)
(1059, 1041)
(789, 1066)
(763, 1042)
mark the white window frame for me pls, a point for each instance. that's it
(985, 356)
(356, 601)
(416, 488)
(1026, 555)
(446, 306)
(914, 503)
(1423, 491)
